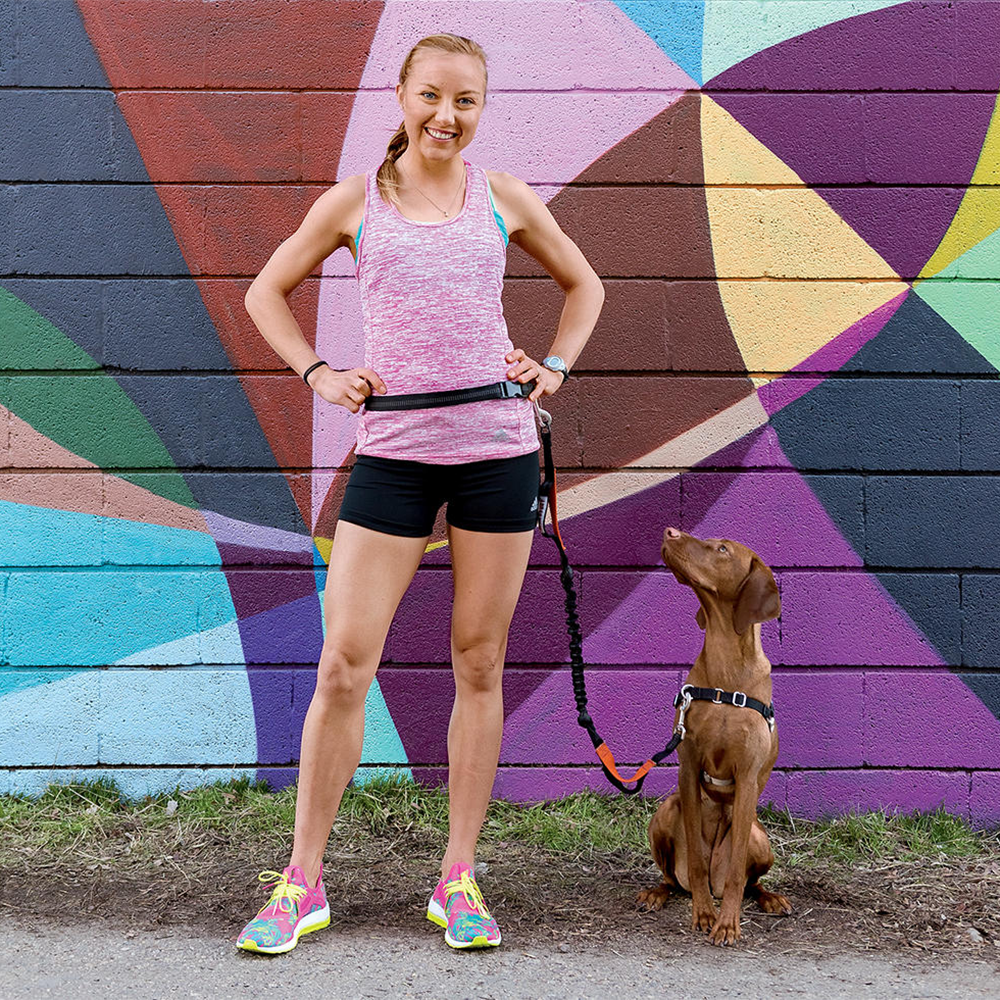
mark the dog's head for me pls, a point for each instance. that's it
(725, 574)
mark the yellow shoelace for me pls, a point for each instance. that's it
(284, 891)
(467, 884)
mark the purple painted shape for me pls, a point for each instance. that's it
(906, 47)
(232, 555)
(977, 68)
(654, 622)
(905, 726)
(632, 710)
(904, 225)
(278, 777)
(759, 448)
(818, 794)
(420, 632)
(984, 801)
(271, 692)
(420, 700)
(254, 592)
(819, 714)
(774, 513)
(846, 619)
(228, 530)
(291, 633)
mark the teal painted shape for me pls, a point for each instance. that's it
(216, 608)
(46, 536)
(134, 783)
(18, 679)
(382, 743)
(979, 261)
(971, 307)
(736, 29)
(88, 618)
(676, 27)
(32, 342)
(137, 542)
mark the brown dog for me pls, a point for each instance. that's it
(727, 752)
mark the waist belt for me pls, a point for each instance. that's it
(450, 397)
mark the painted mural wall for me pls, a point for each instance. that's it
(795, 209)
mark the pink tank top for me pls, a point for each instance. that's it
(432, 317)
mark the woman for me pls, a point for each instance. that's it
(428, 232)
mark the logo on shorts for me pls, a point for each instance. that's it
(534, 504)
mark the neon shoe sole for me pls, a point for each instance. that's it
(436, 914)
(315, 921)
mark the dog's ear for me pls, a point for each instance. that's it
(758, 599)
(700, 618)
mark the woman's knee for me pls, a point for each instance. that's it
(478, 666)
(344, 674)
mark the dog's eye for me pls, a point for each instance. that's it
(722, 548)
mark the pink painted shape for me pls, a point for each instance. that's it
(30, 449)
(846, 619)
(775, 514)
(927, 719)
(776, 395)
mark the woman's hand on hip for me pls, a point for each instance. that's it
(350, 388)
(523, 369)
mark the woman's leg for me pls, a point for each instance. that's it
(489, 569)
(368, 574)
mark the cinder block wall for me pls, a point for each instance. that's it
(795, 210)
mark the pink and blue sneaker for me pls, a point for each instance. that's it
(294, 909)
(457, 906)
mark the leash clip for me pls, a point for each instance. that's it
(683, 702)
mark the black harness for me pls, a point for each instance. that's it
(547, 504)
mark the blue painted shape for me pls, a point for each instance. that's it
(133, 783)
(180, 716)
(52, 46)
(873, 424)
(45, 536)
(138, 543)
(57, 719)
(981, 426)
(8, 45)
(94, 617)
(73, 306)
(172, 407)
(19, 678)
(933, 521)
(918, 339)
(980, 621)
(66, 135)
(676, 27)
(176, 332)
(256, 497)
(230, 430)
(933, 601)
(92, 229)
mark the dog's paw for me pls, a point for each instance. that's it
(703, 918)
(654, 898)
(725, 931)
(773, 902)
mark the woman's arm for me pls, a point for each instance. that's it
(330, 223)
(531, 226)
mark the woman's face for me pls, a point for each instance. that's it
(442, 100)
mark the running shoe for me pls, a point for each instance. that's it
(294, 909)
(457, 906)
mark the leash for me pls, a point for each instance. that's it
(547, 505)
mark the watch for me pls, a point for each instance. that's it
(554, 363)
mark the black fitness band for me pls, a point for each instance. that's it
(312, 368)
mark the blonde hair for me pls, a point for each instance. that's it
(387, 177)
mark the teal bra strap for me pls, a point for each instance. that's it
(357, 238)
(497, 215)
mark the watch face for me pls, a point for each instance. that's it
(555, 362)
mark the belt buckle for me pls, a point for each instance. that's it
(515, 390)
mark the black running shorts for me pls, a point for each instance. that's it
(400, 497)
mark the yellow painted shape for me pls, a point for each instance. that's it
(435, 545)
(778, 324)
(978, 213)
(732, 155)
(324, 546)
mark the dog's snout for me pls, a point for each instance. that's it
(672, 533)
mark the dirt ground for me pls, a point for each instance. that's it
(941, 911)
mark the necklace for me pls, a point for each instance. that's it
(443, 211)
